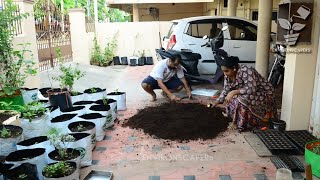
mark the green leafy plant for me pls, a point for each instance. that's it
(105, 100)
(93, 90)
(9, 106)
(14, 67)
(75, 93)
(80, 128)
(97, 55)
(68, 74)
(142, 53)
(109, 50)
(316, 150)
(57, 169)
(5, 132)
(33, 110)
(60, 142)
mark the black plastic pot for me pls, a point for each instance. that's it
(61, 98)
(116, 60)
(141, 61)
(86, 124)
(124, 60)
(24, 171)
(149, 61)
(133, 62)
(278, 125)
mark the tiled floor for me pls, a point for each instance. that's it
(132, 155)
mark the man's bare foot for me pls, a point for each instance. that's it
(154, 98)
(232, 126)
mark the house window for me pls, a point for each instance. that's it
(255, 16)
(225, 3)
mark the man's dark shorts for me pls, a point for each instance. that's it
(173, 83)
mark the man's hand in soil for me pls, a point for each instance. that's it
(174, 98)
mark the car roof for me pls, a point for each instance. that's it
(210, 17)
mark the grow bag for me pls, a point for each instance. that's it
(94, 96)
(9, 145)
(62, 122)
(88, 127)
(78, 97)
(113, 106)
(73, 176)
(99, 121)
(30, 95)
(82, 143)
(36, 127)
(55, 157)
(120, 97)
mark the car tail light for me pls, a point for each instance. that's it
(172, 42)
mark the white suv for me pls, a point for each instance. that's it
(240, 39)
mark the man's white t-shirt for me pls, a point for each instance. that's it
(163, 72)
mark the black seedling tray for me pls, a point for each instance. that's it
(277, 142)
(300, 138)
(289, 162)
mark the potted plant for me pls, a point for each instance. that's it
(62, 153)
(116, 60)
(23, 171)
(68, 75)
(94, 93)
(149, 59)
(84, 127)
(124, 60)
(61, 170)
(34, 156)
(82, 143)
(109, 51)
(9, 137)
(120, 97)
(14, 67)
(99, 121)
(62, 121)
(142, 58)
(113, 106)
(33, 118)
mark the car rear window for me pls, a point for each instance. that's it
(171, 29)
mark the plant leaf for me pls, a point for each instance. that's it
(285, 24)
(298, 26)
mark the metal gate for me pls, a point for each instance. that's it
(52, 32)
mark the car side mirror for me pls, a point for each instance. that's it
(205, 37)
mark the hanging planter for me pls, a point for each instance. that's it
(113, 106)
(72, 155)
(149, 60)
(33, 119)
(86, 104)
(23, 171)
(54, 111)
(84, 127)
(36, 142)
(312, 156)
(33, 156)
(120, 97)
(61, 122)
(77, 96)
(30, 95)
(61, 171)
(124, 60)
(94, 94)
(100, 122)
(60, 97)
(82, 143)
(79, 110)
(9, 137)
(116, 60)
(16, 100)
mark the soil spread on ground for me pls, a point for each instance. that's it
(178, 121)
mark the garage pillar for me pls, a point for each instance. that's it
(135, 13)
(232, 7)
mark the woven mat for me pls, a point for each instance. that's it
(257, 145)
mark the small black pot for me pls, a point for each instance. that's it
(149, 61)
(21, 155)
(278, 125)
(133, 62)
(61, 98)
(24, 171)
(141, 61)
(116, 60)
(124, 60)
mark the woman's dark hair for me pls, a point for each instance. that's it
(228, 61)
(175, 57)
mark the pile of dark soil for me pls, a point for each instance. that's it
(175, 121)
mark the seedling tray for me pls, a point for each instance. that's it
(277, 142)
(289, 162)
(300, 138)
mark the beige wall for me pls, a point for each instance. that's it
(299, 80)
(133, 36)
(28, 36)
(170, 11)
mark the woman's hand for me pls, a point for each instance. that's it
(230, 96)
